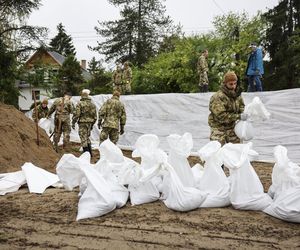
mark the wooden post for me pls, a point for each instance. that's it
(36, 120)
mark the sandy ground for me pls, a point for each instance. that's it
(47, 221)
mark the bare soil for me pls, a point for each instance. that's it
(47, 221)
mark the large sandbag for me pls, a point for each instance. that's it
(11, 182)
(181, 147)
(246, 190)
(213, 181)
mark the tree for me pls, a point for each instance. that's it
(100, 81)
(137, 35)
(62, 43)
(8, 92)
(283, 35)
(69, 77)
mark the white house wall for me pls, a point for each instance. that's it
(25, 98)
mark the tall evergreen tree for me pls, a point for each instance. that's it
(69, 77)
(62, 43)
(137, 35)
(283, 37)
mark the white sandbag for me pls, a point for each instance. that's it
(38, 179)
(109, 151)
(11, 182)
(181, 147)
(214, 181)
(143, 193)
(285, 174)
(178, 197)
(46, 125)
(256, 110)
(68, 169)
(246, 191)
(198, 171)
(286, 206)
(244, 130)
(145, 146)
(97, 199)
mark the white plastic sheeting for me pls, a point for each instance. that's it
(165, 114)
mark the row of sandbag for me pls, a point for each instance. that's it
(181, 188)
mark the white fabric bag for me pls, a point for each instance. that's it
(178, 197)
(97, 199)
(181, 147)
(38, 179)
(46, 125)
(11, 182)
(246, 191)
(285, 188)
(244, 130)
(256, 110)
(214, 180)
(68, 169)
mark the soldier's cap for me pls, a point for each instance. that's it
(85, 92)
(116, 93)
(230, 76)
(45, 101)
(253, 45)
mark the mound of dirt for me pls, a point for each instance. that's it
(18, 142)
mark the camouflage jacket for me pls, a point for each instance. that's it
(117, 77)
(41, 112)
(85, 111)
(112, 114)
(63, 109)
(127, 75)
(225, 107)
(202, 65)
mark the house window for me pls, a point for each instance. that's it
(36, 93)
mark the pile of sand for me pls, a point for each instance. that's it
(18, 142)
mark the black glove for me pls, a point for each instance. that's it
(99, 125)
(73, 126)
(122, 130)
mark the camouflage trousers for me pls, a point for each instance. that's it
(111, 133)
(120, 87)
(84, 132)
(63, 128)
(127, 88)
(224, 136)
(203, 79)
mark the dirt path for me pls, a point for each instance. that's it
(31, 221)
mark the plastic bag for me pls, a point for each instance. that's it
(244, 130)
(11, 182)
(256, 110)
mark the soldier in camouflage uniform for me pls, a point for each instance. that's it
(112, 117)
(117, 80)
(127, 78)
(226, 108)
(41, 111)
(202, 68)
(63, 107)
(85, 115)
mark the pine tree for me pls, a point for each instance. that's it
(62, 43)
(137, 35)
(69, 77)
(283, 37)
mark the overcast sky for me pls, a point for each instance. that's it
(80, 17)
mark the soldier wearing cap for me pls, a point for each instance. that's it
(41, 111)
(63, 108)
(112, 118)
(202, 68)
(127, 78)
(117, 79)
(226, 107)
(85, 115)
